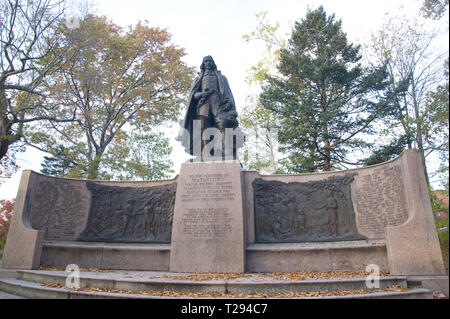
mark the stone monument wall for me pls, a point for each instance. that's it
(231, 215)
(50, 209)
(71, 209)
(379, 199)
(366, 200)
(130, 214)
(58, 207)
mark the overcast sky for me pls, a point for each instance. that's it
(216, 28)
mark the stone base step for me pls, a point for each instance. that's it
(8, 273)
(34, 290)
(206, 282)
(107, 255)
(324, 256)
(138, 284)
(4, 295)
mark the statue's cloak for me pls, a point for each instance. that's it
(226, 106)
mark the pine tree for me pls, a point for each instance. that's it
(324, 98)
(59, 164)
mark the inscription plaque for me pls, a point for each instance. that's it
(381, 201)
(212, 223)
(207, 233)
(56, 206)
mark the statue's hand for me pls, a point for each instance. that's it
(207, 93)
(198, 95)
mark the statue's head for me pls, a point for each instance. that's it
(209, 60)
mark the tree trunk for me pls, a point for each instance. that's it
(419, 136)
(93, 167)
(422, 152)
(5, 125)
(326, 142)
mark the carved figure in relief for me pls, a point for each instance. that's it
(299, 220)
(157, 211)
(149, 216)
(266, 225)
(330, 206)
(319, 210)
(103, 221)
(290, 204)
(129, 214)
(129, 220)
(99, 224)
(120, 221)
(278, 233)
(139, 220)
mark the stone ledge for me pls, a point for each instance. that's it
(80, 244)
(315, 245)
(260, 257)
(317, 257)
(107, 255)
(8, 273)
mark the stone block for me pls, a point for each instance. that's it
(61, 256)
(344, 256)
(208, 225)
(413, 248)
(24, 245)
(135, 257)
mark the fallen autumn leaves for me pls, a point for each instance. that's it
(287, 276)
(290, 276)
(292, 294)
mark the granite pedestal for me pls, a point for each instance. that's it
(208, 222)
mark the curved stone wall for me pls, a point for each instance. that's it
(386, 203)
(377, 195)
(60, 207)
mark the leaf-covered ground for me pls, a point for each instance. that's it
(292, 294)
(289, 276)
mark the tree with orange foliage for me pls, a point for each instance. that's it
(6, 208)
(118, 81)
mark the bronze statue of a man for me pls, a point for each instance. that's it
(211, 103)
